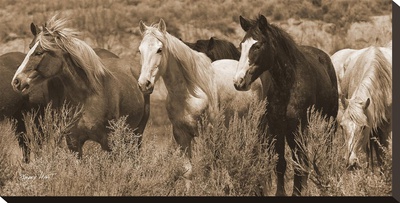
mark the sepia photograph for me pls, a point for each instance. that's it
(182, 98)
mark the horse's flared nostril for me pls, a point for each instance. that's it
(148, 84)
(15, 82)
(238, 83)
(146, 87)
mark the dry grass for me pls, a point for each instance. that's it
(228, 161)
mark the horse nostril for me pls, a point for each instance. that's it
(240, 81)
(16, 82)
(148, 84)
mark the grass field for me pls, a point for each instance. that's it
(224, 164)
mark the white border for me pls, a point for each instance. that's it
(397, 2)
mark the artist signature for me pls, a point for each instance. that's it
(40, 176)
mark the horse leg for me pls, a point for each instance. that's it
(22, 140)
(380, 144)
(267, 142)
(277, 129)
(104, 141)
(184, 139)
(300, 177)
(75, 143)
(145, 118)
(26, 151)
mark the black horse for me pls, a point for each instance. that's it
(300, 77)
(215, 48)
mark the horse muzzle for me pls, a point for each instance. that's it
(20, 85)
(22, 82)
(352, 163)
(241, 84)
(146, 87)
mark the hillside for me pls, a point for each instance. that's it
(112, 24)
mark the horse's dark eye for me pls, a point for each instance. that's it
(256, 46)
(39, 53)
(159, 50)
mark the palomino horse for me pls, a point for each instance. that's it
(14, 105)
(301, 77)
(366, 94)
(101, 86)
(189, 78)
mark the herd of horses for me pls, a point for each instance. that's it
(352, 86)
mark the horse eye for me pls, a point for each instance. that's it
(39, 53)
(257, 46)
(159, 50)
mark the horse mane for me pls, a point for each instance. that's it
(355, 113)
(55, 35)
(196, 66)
(279, 38)
(376, 84)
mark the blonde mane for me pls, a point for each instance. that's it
(375, 83)
(196, 66)
(55, 35)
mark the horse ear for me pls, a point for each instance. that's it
(366, 104)
(245, 23)
(262, 22)
(162, 26)
(211, 43)
(34, 29)
(142, 27)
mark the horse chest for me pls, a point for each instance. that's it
(187, 110)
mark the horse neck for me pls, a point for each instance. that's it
(179, 91)
(173, 77)
(75, 82)
(282, 72)
(288, 60)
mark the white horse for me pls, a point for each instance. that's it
(195, 86)
(366, 94)
(341, 60)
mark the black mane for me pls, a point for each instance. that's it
(280, 41)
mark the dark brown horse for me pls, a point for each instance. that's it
(102, 86)
(301, 77)
(215, 48)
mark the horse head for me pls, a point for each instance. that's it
(257, 52)
(39, 64)
(355, 128)
(151, 50)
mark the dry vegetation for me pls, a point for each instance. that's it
(227, 161)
